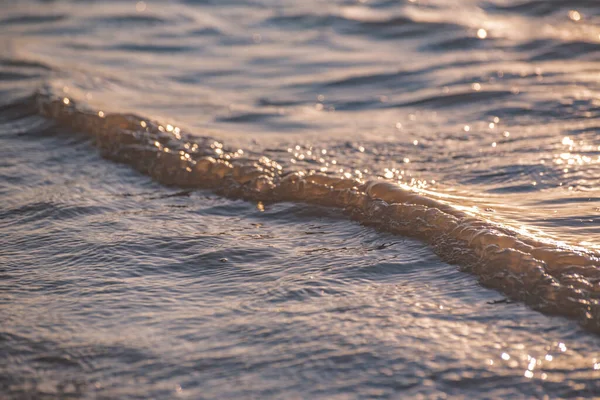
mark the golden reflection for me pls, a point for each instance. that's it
(567, 141)
(575, 15)
(571, 159)
(562, 347)
(482, 33)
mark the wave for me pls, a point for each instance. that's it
(542, 8)
(382, 26)
(549, 277)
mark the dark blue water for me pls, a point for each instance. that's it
(260, 199)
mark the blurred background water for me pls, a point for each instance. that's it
(114, 286)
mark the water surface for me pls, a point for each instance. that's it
(319, 199)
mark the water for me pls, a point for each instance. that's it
(319, 199)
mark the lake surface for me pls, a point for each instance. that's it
(282, 199)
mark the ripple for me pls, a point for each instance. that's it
(33, 19)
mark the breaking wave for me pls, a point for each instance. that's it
(547, 276)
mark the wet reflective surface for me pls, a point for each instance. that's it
(117, 285)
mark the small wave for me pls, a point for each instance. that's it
(542, 8)
(461, 42)
(249, 117)
(45, 210)
(16, 63)
(566, 51)
(549, 277)
(209, 31)
(32, 19)
(406, 80)
(383, 28)
(457, 99)
(128, 19)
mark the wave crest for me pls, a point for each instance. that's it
(548, 277)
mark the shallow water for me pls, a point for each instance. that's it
(248, 241)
